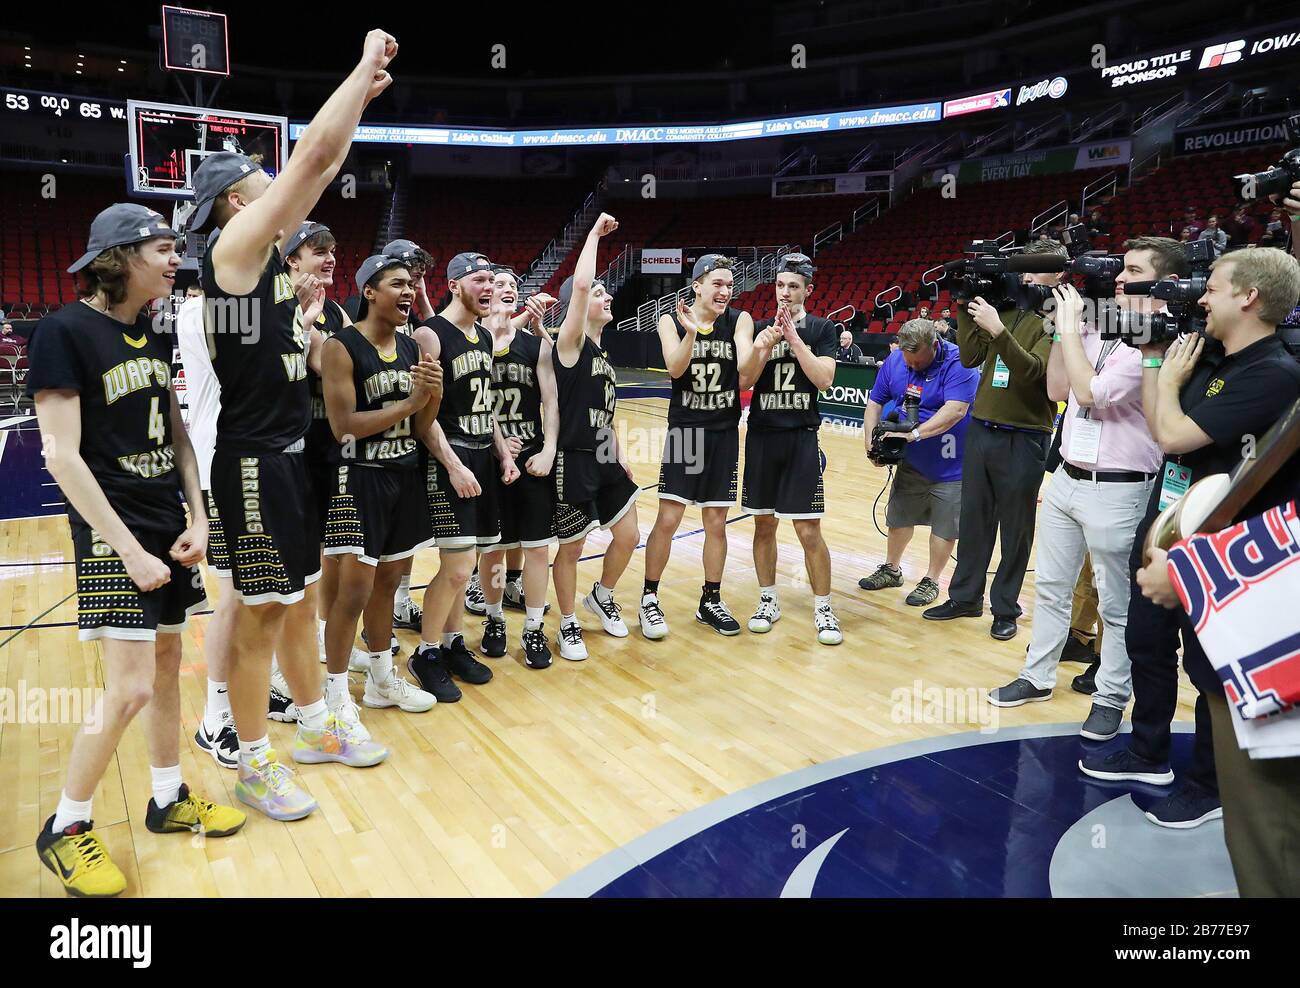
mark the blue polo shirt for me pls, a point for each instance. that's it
(943, 381)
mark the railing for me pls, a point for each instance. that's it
(936, 154)
(613, 277)
(1095, 123)
(933, 282)
(793, 160)
(1005, 240)
(850, 308)
(1035, 135)
(863, 155)
(987, 141)
(881, 302)
(554, 253)
(833, 233)
(1154, 113)
(1053, 212)
(1206, 104)
(1105, 185)
(1137, 169)
(869, 210)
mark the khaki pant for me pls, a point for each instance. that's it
(1261, 812)
(1085, 621)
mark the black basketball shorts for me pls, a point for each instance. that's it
(465, 522)
(110, 605)
(783, 474)
(527, 508)
(589, 493)
(699, 466)
(268, 511)
(218, 551)
(377, 514)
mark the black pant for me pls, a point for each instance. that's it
(1152, 641)
(1000, 478)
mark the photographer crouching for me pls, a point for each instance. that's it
(934, 392)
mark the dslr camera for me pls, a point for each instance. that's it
(887, 442)
(1275, 181)
(995, 276)
(1180, 296)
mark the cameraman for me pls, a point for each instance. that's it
(1006, 452)
(1207, 405)
(1096, 498)
(927, 486)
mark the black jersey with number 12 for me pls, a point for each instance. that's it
(587, 396)
(784, 398)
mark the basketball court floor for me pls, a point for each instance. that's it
(694, 766)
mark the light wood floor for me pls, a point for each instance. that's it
(538, 773)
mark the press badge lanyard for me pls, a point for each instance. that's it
(1085, 434)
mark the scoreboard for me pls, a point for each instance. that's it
(167, 142)
(195, 41)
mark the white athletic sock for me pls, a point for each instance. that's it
(767, 591)
(275, 665)
(336, 688)
(251, 750)
(449, 638)
(821, 601)
(404, 588)
(428, 645)
(314, 715)
(381, 666)
(321, 622)
(70, 811)
(218, 706)
(568, 619)
(494, 610)
(603, 593)
(166, 784)
(533, 616)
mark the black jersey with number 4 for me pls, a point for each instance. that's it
(707, 395)
(517, 393)
(320, 437)
(259, 353)
(466, 409)
(587, 394)
(784, 398)
(123, 378)
(381, 380)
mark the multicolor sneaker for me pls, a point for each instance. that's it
(347, 711)
(267, 786)
(336, 742)
(537, 654)
(475, 602)
(80, 861)
(193, 813)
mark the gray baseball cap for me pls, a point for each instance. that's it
(795, 263)
(305, 232)
(406, 250)
(707, 263)
(468, 263)
(374, 264)
(566, 290)
(216, 173)
(121, 224)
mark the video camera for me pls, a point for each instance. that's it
(887, 444)
(995, 276)
(1180, 295)
(1275, 181)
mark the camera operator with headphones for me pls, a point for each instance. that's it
(1006, 453)
(927, 486)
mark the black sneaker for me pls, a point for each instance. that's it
(1077, 651)
(427, 668)
(537, 654)
(1124, 766)
(222, 746)
(407, 615)
(1102, 723)
(1189, 807)
(281, 708)
(1017, 693)
(1086, 681)
(714, 613)
(462, 664)
(494, 637)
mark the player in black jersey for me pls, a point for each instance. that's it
(468, 453)
(703, 345)
(259, 476)
(792, 360)
(527, 412)
(593, 483)
(381, 394)
(114, 440)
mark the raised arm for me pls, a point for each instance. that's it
(240, 253)
(574, 326)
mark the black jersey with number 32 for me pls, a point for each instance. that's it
(123, 378)
(707, 395)
(587, 395)
(259, 353)
(466, 409)
(784, 398)
(516, 391)
(380, 381)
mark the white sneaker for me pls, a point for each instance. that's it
(279, 683)
(397, 692)
(610, 614)
(475, 602)
(653, 624)
(570, 642)
(768, 614)
(828, 629)
(359, 660)
(348, 713)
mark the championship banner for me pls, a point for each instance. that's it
(657, 260)
(1222, 136)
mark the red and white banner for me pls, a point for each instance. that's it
(660, 261)
(974, 104)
